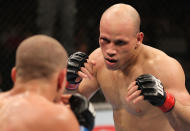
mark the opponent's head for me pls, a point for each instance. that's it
(40, 58)
(120, 35)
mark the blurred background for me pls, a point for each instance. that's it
(75, 24)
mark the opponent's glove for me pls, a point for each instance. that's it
(153, 91)
(83, 110)
(75, 62)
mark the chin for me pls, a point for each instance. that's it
(112, 67)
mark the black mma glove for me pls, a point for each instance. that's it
(83, 110)
(153, 91)
(75, 62)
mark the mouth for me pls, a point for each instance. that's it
(111, 60)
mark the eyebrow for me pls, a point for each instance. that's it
(104, 38)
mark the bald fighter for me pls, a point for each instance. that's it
(39, 80)
(145, 86)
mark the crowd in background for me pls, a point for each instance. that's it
(164, 24)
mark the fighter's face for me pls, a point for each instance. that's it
(118, 45)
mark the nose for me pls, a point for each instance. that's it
(111, 52)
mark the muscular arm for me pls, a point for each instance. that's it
(179, 117)
(173, 80)
(89, 84)
(172, 77)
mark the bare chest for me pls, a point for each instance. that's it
(114, 86)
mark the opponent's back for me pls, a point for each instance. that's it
(29, 112)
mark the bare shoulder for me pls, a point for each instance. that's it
(63, 118)
(96, 55)
(169, 71)
(160, 61)
(3, 96)
(57, 117)
(40, 114)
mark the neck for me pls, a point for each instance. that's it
(42, 88)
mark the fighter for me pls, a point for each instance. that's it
(135, 78)
(39, 80)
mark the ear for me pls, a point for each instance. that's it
(140, 37)
(61, 80)
(13, 74)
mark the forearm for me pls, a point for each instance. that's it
(87, 91)
(179, 117)
(175, 107)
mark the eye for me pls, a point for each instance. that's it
(120, 42)
(104, 40)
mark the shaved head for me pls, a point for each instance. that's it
(121, 14)
(40, 56)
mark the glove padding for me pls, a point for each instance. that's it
(153, 91)
(83, 110)
(75, 62)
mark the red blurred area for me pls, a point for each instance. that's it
(104, 128)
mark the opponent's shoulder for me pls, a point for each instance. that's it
(3, 95)
(51, 116)
(63, 118)
(3, 98)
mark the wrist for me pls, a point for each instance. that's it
(168, 103)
